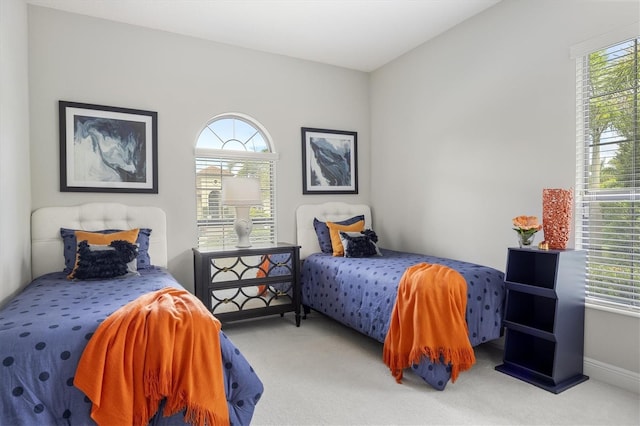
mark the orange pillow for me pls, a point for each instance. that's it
(334, 232)
(104, 240)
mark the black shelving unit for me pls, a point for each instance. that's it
(544, 317)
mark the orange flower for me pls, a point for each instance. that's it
(526, 223)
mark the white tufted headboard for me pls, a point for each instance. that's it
(46, 242)
(331, 211)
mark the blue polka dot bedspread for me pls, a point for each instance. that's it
(45, 328)
(361, 292)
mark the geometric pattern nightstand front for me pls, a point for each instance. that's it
(249, 282)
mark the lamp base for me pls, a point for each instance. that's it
(243, 227)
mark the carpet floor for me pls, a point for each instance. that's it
(323, 373)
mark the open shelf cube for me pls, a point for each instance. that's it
(544, 317)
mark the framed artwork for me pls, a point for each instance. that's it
(329, 161)
(107, 149)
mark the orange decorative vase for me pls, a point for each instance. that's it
(557, 208)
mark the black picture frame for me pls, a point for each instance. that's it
(107, 149)
(329, 161)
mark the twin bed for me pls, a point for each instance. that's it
(45, 329)
(360, 292)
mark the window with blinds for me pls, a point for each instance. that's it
(608, 173)
(233, 145)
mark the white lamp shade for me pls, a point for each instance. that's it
(240, 191)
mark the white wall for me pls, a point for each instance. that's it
(15, 257)
(474, 124)
(187, 81)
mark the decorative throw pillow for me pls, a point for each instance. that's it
(71, 247)
(104, 261)
(334, 232)
(360, 244)
(322, 231)
(99, 238)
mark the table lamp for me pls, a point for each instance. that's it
(241, 193)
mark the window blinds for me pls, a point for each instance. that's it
(608, 173)
(215, 221)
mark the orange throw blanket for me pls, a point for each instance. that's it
(263, 271)
(428, 319)
(163, 344)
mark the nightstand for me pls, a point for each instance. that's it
(544, 317)
(243, 283)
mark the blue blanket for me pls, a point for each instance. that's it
(361, 292)
(44, 330)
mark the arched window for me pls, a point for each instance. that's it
(233, 145)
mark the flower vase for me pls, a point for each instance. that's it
(557, 206)
(525, 239)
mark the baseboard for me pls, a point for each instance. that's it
(612, 375)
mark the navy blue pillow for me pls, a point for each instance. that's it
(322, 231)
(103, 263)
(360, 244)
(71, 246)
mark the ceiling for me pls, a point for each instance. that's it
(356, 34)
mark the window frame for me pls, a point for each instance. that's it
(605, 288)
(217, 232)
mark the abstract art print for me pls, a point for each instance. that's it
(107, 149)
(329, 161)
